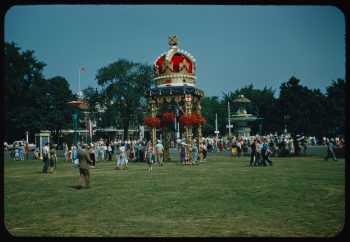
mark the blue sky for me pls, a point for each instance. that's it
(234, 45)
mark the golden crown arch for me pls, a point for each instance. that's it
(175, 91)
(175, 67)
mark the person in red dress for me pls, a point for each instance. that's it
(131, 152)
(27, 150)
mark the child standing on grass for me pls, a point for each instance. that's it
(149, 154)
(65, 152)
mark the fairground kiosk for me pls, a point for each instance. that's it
(41, 139)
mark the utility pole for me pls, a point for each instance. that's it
(229, 126)
(216, 130)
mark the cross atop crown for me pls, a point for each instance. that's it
(173, 40)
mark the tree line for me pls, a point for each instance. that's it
(33, 103)
(302, 110)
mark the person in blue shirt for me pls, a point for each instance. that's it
(265, 151)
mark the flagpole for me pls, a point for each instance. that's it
(229, 119)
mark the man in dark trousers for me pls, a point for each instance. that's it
(330, 151)
(46, 157)
(84, 167)
(254, 153)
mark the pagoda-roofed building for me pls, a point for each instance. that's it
(241, 118)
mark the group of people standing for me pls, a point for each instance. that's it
(20, 151)
(260, 152)
(152, 154)
(186, 158)
(195, 154)
(49, 158)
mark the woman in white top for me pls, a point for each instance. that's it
(122, 162)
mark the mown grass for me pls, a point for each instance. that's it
(221, 197)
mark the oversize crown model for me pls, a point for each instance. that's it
(175, 67)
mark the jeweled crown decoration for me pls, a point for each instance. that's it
(175, 67)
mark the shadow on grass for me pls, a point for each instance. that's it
(49, 172)
(73, 186)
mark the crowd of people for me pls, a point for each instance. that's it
(121, 151)
(259, 148)
(279, 145)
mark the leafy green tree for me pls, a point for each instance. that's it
(95, 101)
(123, 84)
(210, 107)
(335, 105)
(55, 105)
(32, 103)
(22, 70)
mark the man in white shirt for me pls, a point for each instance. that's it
(159, 150)
(46, 154)
(203, 150)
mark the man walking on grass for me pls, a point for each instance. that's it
(159, 150)
(330, 151)
(84, 167)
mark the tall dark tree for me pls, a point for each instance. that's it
(21, 70)
(124, 84)
(336, 108)
(316, 102)
(304, 108)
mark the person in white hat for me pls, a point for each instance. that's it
(159, 152)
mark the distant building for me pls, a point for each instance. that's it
(241, 118)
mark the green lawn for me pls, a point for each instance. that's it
(221, 197)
